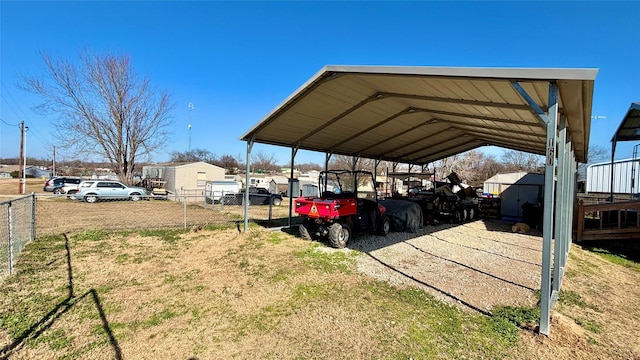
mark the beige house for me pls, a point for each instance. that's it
(184, 178)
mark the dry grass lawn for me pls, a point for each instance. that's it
(221, 294)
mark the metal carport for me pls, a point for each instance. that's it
(629, 130)
(417, 115)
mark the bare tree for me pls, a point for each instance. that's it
(596, 154)
(264, 162)
(515, 160)
(193, 156)
(104, 108)
(343, 162)
(228, 162)
(308, 166)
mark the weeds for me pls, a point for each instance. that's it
(625, 260)
(170, 236)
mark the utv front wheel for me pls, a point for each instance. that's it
(303, 231)
(339, 235)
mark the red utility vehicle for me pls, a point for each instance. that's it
(348, 205)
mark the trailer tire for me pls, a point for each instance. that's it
(385, 226)
(277, 202)
(472, 213)
(339, 235)
(457, 217)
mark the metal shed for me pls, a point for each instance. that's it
(629, 130)
(417, 115)
(626, 177)
(515, 189)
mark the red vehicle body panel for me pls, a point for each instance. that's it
(317, 208)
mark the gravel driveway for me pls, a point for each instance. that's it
(477, 265)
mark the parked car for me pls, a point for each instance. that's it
(95, 190)
(61, 184)
(257, 196)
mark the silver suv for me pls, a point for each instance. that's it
(95, 190)
(62, 184)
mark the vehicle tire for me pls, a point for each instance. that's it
(465, 215)
(472, 213)
(277, 202)
(303, 231)
(385, 226)
(57, 191)
(457, 217)
(136, 197)
(339, 235)
(91, 198)
(71, 194)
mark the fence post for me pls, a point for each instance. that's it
(222, 201)
(33, 216)
(184, 198)
(270, 209)
(10, 236)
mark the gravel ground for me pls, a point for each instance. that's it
(477, 265)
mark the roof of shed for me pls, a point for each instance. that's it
(418, 115)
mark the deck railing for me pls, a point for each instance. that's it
(618, 220)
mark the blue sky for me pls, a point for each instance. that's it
(236, 61)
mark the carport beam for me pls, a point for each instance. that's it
(532, 103)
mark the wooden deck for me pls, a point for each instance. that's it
(608, 221)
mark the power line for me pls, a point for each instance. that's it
(6, 89)
(6, 123)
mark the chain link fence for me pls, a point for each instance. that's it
(17, 219)
(23, 218)
(59, 213)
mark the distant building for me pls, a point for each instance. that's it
(181, 178)
(515, 189)
(30, 171)
(279, 185)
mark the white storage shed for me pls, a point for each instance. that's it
(515, 189)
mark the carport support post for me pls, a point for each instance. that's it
(394, 166)
(327, 157)
(613, 153)
(294, 151)
(375, 175)
(246, 184)
(354, 164)
(562, 215)
(549, 205)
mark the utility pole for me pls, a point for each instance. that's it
(20, 182)
(190, 120)
(54, 161)
(24, 164)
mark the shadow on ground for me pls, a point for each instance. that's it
(59, 310)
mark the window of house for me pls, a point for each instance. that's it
(201, 179)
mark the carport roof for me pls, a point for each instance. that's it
(418, 115)
(630, 125)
